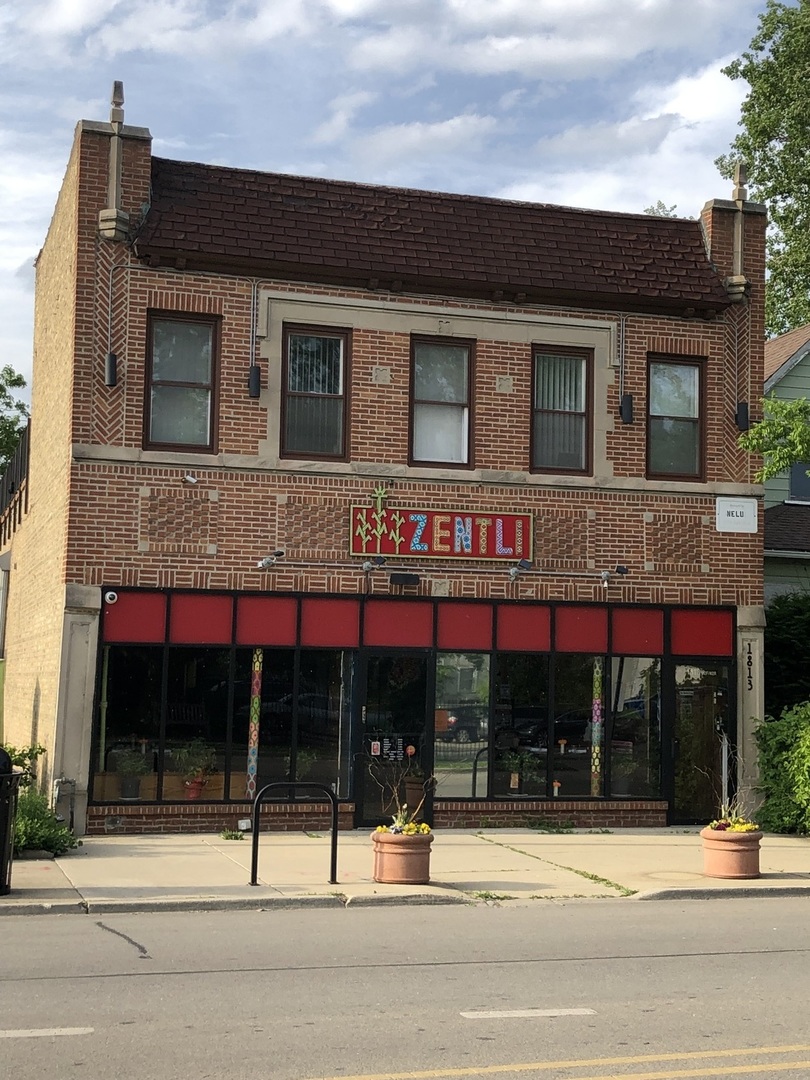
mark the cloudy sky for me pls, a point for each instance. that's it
(611, 104)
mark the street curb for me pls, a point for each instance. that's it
(746, 892)
(47, 907)
(407, 898)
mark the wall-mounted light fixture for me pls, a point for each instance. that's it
(254, 381)
(110, 369)
(626, 408)
(373, 564)
(519, 568)
(606, 575)
(742, 417)
(269, 560)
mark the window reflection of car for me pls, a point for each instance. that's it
(461, 723)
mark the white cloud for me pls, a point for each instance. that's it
(343, 110)
(417, 142)
(665, 152)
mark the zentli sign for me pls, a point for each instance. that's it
(415, 532)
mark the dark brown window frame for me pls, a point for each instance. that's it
(587, 355)
(215, 322)
(345, 334)
(469, 344)
(699, 363)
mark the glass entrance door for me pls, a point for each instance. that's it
(702, 752)
(393, 720)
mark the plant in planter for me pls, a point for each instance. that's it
(401, 849)
(131, 765)
(731, 844)
(195, 762)
(521, 768)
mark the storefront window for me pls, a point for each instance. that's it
(577, 747)
(520, 737)
(635, 745)
(128, 731)
(462, 725)
(196, 724)
(322, 754)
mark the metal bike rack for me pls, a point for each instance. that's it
(257, 805)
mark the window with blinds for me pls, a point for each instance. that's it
(314, 394)
(561, 411)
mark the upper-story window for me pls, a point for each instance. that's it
(561, 422)
(181, 369)
(674, 423)
(314, 393)
(440, 393)
(800, 482)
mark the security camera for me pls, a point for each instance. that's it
(269, 560)
(110, 597)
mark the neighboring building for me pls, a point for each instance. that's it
(787, 497)
(495, 443)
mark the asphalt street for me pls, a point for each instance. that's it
(573, 989)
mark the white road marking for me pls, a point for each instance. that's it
(43, 1033)
(505, 1013)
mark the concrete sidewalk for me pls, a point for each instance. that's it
(504, 866)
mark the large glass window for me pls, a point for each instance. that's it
(441, 402)
(314, 390)
(194, 758)
(520, 738)
(181, 367)
(577, 746)
(128, 728)
(560, 424)
(462, 724)
(635, 745)
(673, 420)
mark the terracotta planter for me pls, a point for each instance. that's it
(401, 859)
(728, 854)
(194, 788)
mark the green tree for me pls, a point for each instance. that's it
(782, 437)
(660, 209)
(787, 652)
(13, 413)
(774, 143)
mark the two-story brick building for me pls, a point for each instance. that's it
(321, 470)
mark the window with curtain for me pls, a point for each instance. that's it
(673, 419)
(560, 421)
(181, 369)
(441, 402)
(314, 394)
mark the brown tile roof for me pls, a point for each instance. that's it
(333, 231)
(781, 348)
(787, 527)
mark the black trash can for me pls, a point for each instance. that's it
(10, 778)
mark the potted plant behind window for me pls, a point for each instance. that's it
(401, 849)
(195, 763)
(131, 765)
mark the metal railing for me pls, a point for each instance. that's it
(257, 806)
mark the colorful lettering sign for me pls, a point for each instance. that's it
(414, 533)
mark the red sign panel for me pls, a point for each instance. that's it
(440, 534)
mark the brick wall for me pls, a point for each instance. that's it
(128, 819)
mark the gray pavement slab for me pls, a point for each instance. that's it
(505, 866)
